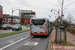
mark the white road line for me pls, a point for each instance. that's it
(53, 47)
(36, 43)
(14, 43)
(32, 43)
(10, 41)
(27, 43)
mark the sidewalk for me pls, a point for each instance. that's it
(70, 38)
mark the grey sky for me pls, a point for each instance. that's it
(41, 7)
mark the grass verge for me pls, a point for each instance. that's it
(11, 33)
(68, 44)
(65, 44)
(52, 42)
(71, 30)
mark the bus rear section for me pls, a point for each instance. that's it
(38, 27)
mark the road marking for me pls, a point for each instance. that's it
(25, 36)
(36, 43)
(49, 42)
(10, 41)
(31, 43)
(53, 47)
(14, 43)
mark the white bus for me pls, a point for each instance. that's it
(39, 27)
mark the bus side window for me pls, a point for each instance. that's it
(47, 24)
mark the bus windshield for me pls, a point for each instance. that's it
(38, 21)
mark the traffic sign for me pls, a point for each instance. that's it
(62, 15)
(59, 19)
(55, 22)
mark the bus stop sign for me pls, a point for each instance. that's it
(62, 15)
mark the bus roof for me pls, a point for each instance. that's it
(38, 18)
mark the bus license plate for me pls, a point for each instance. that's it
(41, 27)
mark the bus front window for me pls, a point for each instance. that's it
(38, 21)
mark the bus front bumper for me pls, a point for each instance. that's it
(38, 34)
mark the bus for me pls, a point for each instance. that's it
(40, 27)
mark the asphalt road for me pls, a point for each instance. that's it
(10, 30)
(23, 41)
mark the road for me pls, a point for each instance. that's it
(10, 30)
(23, 41)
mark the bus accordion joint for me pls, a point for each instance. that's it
(46, 27)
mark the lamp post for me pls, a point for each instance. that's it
(55, 11)
(49, 16)
(12, 15)
(62, 12)
(55, 21)
(56, 25)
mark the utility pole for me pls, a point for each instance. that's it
(57, 24)
(62, 24)
(49, 16)
(12, 17)
(61, 21)
(62, 11)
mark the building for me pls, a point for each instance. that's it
(25, 16)
(1, 15)
(16, 19)
(7, 19)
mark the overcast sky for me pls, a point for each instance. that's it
(41, 7)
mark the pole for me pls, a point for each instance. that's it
(61, 21)
(56, 26)
(12, 14)
(65, 34)
(19, 16)
(56, 36)
(62, 11)
(12, 17)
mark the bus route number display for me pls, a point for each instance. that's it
(39, 21)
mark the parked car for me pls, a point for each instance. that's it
(28, 25)
(17, 27)
(11, 26)
(5, 26)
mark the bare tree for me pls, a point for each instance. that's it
(70, 19)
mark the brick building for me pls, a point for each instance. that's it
(1, 15)
(25, 16)
(7, 19)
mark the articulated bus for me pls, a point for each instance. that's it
(40, 27)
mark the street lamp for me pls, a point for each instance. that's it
(56, 25)
(12, 14)
(56, 11)
(49, 16)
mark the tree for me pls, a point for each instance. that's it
(70, 19)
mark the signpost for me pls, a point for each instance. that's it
(59, 19)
